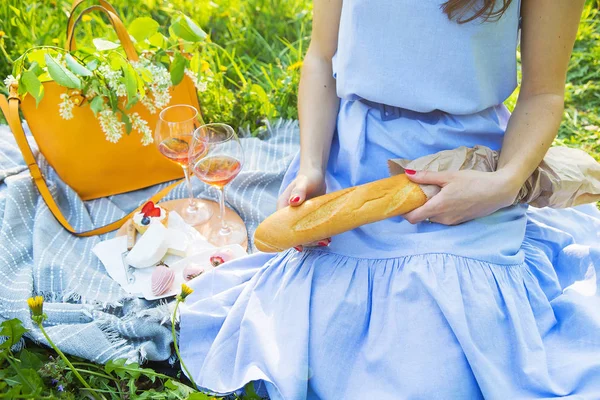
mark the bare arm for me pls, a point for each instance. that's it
(548, 34)
(317, 104)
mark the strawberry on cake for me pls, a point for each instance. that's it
(150, 214)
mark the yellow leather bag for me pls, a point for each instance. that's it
(77, 148)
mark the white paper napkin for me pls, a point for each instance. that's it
(110, 254)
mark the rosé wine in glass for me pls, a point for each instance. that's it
(217, 165)
(217, 171)
(173, 136)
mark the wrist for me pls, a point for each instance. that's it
(509, 183)
(312, 167)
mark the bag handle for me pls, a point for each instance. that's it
(118, 26)
(10, 109)
(75, 6)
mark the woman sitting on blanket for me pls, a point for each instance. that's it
(465, 297)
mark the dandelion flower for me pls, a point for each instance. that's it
(36, 305)
(86, 18)
(185, 291)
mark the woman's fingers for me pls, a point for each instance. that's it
(319, 243)
(298, 193)
(430, 177)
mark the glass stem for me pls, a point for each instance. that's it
(225, 230)
(192, 206)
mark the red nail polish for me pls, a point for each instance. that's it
(323, 243)
(298, 248)
(410, 171)
(295, 199)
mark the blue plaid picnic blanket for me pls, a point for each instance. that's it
(89, 315)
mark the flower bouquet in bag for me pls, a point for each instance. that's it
(92, 111)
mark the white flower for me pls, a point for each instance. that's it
(113, 79)
(111, 125)
(121, 90)
(147, 102)
(199, 83)
(10, 80)
(65, 108)
(158, 95)
(141, 125)
(162, 98)
(91, 93)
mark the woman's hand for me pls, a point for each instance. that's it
(465, 195)
(307, 184)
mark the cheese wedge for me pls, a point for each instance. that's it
(177, 242)
(150, 248)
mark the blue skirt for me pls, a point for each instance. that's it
(502, 307)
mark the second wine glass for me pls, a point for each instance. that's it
(216, 157)
(173, 136)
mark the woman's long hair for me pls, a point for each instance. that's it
(463, 11)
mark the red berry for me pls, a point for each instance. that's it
(147, 207)
(216, 261)
(155, 212)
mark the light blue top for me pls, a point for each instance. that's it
(407, 53)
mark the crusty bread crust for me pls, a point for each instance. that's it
(338, 212)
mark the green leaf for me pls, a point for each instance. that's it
(105, 45)
(18, 66)
(92, 65)
(15, 10)
(36, 69)
(14, 330)
(128, 127)
(177, 69)
(130, 81)
(185, 28)
(29, 378)
(132, 387)
(33, 85)
(146, 75)
(113, 100)
(198, 396)
(30, 360)
(250, 392)
(37, 56)
(97, 104)
(158, 40)
(141, 86)
(77, 68)
(61, 75)
(142, 28)
(117, 62)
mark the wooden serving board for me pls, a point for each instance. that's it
(208, 228)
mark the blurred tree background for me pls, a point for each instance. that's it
(260, 44)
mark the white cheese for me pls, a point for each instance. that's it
(150, 248)
(177, 242)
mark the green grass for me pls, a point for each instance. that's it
(256, 51)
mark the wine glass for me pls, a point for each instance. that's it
(173, 134)
(216, 157)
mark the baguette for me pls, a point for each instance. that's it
(337, 212)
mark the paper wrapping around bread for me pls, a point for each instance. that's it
(566, 177)
(338, 212)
